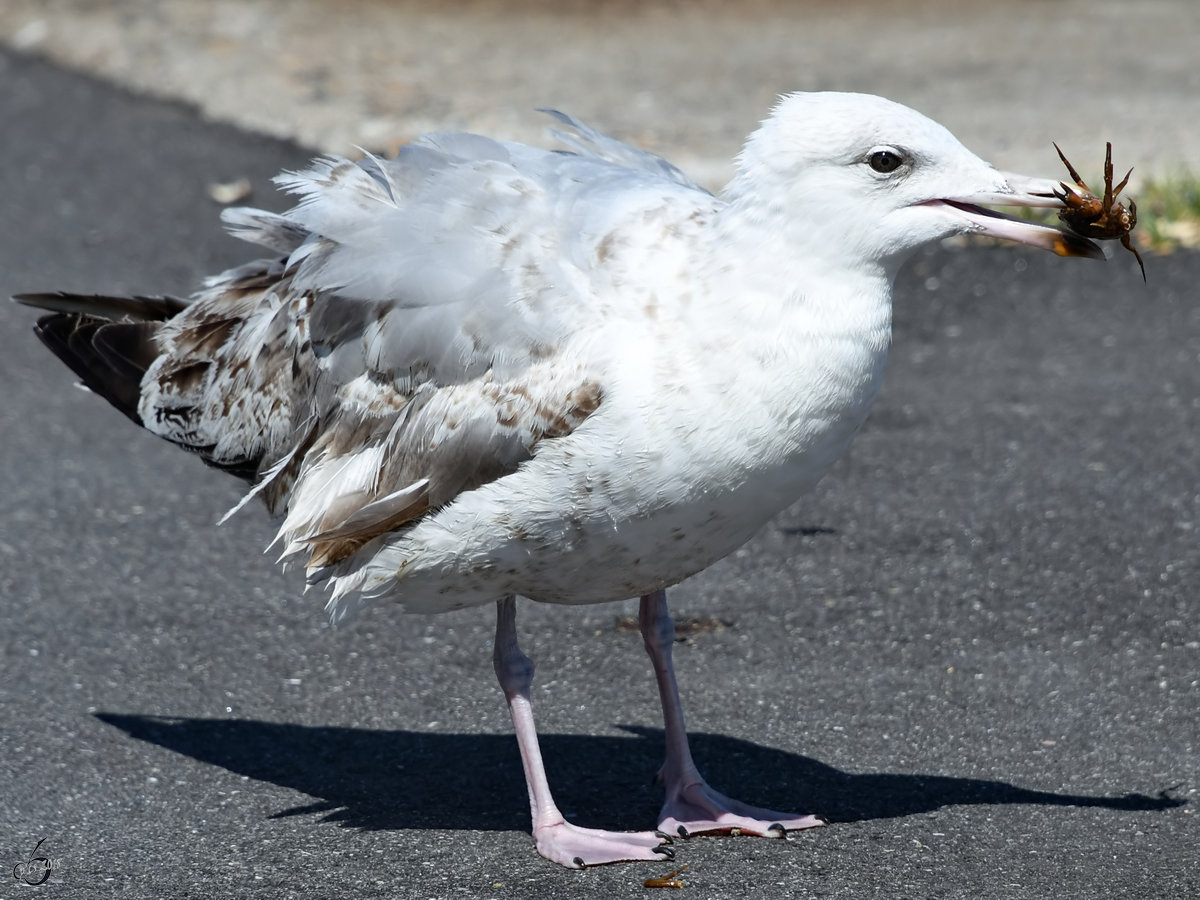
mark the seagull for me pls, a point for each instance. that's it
(482, 370)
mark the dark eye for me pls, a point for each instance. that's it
(884, 161)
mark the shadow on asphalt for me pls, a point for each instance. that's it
(408, 779)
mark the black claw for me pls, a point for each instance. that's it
(775, 826)
(663, 836)
(668, 852)
(683, 832)
(579, 862)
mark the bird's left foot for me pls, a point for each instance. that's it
(696, 808)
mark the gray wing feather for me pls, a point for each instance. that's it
(407, 347)
(270, 230)
(462, 252)
(587, 140)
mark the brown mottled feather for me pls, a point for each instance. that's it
(233, 377)
(374, 374)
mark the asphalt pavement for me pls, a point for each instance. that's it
(975, 648)
(686, 80)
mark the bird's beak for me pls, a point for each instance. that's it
(1022, 190)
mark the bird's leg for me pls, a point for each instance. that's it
(691, 806)
(556, 839)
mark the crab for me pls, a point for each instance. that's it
(1099, 217)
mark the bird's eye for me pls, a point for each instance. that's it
(885, 161)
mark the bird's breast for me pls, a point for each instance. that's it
(703, 442)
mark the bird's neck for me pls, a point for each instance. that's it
(795, 270)
(817, 323)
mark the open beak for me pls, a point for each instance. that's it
(1023, 191)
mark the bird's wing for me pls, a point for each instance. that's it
(411, 346)
(590, 142)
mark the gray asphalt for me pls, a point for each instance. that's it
(975, 649)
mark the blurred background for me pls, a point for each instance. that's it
(686, 79)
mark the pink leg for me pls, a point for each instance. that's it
(691, 806)
(557, 839)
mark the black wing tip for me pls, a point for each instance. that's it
(110, 358)
(110, 307)
(106, 340)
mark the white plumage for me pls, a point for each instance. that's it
(481, 370)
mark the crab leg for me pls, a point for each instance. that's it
(1108, 170)
(1070, 168)
(1120, 187)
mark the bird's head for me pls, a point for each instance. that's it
(875, 179)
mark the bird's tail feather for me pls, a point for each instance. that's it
(109, 342)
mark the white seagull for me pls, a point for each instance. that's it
(482, 370)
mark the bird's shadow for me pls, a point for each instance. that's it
(407, 779)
